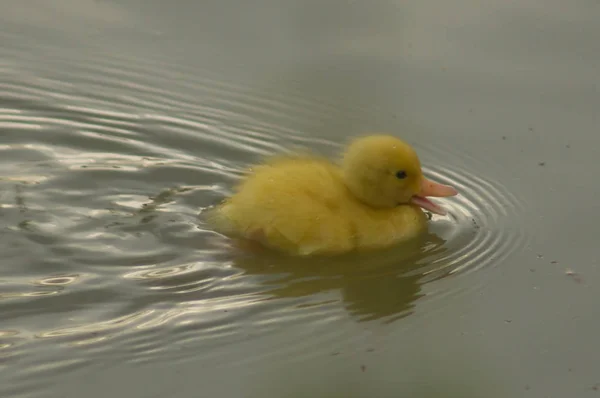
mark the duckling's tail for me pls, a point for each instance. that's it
(216, 217)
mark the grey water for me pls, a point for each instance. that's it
(122, 121)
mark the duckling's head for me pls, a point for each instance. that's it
(383, 172)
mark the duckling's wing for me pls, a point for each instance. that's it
(309, 227)
(293, 206)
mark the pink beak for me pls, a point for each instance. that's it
(431, 188)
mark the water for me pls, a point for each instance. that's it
(121, 122)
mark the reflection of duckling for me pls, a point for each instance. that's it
(305, 205)
(373, 285)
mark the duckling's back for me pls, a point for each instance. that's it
(292, 204)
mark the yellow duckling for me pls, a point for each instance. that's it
(305, 205)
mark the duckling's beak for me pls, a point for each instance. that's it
(431, 188)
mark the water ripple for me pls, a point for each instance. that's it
(104, 170)
(484, 224)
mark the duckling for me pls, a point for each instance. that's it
(306, 205)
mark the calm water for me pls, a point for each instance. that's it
(120, 122)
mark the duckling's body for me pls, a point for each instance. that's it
(301, 205)
(307, 205)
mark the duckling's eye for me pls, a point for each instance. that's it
(401, 175)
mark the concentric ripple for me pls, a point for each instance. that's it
(483, 225)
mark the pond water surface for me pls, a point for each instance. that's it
(121, 122)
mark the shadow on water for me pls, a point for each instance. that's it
(374, 285)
